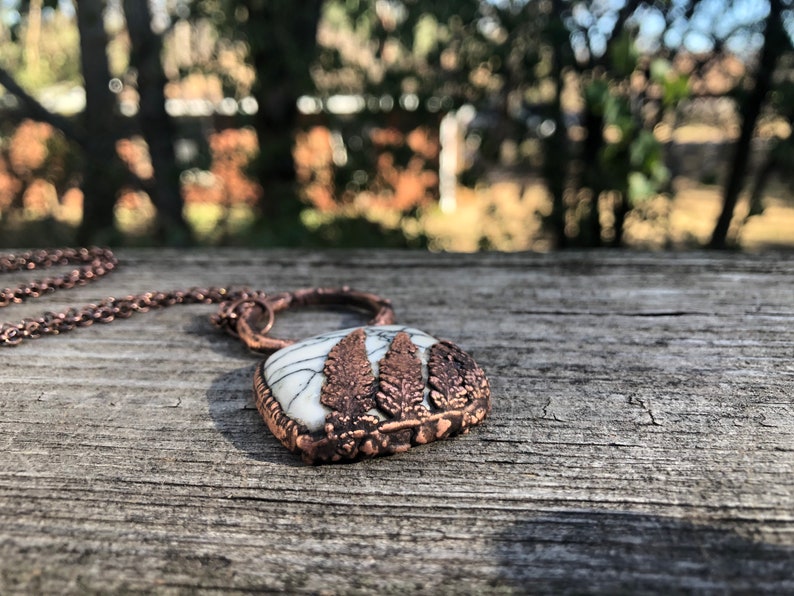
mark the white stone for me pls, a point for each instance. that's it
(295, 374)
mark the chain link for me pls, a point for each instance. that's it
(92, 264)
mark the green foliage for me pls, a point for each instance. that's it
(466, 51)
(597, 97)
(620, 156)
(675, 85)
(649, 173)
(634, 162)
(44, 57)
(622, 55)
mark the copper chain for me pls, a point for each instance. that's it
(92, 264)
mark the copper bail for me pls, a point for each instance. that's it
(253, 311)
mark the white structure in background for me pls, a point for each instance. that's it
(452, 128)
(448, 163)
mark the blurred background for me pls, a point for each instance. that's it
(451, 125)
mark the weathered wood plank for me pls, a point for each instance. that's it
(641, 438)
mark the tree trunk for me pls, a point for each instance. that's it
(103, 170)
(759, 186)
(155, 123)
(594, 124)
(283, 42)
(556, 161)
(774, 40)
(621, 211)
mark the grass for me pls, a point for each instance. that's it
(505, 215)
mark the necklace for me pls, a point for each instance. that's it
(341, 396)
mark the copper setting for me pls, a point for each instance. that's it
(243, 316)
(372, 416)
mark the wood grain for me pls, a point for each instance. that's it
(641, 439)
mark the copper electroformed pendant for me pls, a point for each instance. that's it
(369, 391)
(364, 392)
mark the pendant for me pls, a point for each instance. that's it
(369, 391)
(355, 393)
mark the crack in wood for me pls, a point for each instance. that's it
(645, 405)
(595, 313)
(545, 412)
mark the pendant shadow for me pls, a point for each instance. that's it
(610, 552)
(230, 398)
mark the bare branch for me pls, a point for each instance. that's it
(33, 109)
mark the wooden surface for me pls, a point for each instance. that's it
(641, 438)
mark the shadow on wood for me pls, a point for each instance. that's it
(231, 407)
(622, 552)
